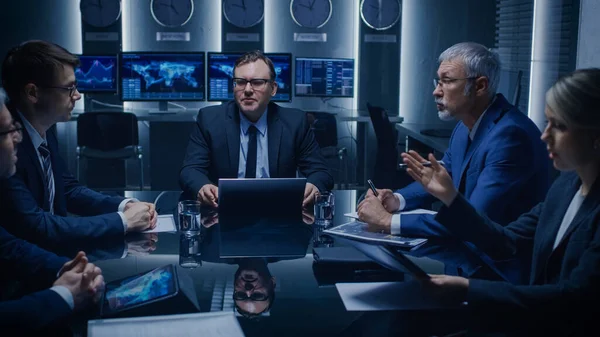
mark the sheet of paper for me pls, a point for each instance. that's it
(165, 223)
(380, 296)
(414, 211)
(218, 324)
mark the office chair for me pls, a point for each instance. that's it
(386, 174)
(324, 126)
(108, 136)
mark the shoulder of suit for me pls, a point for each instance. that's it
(289, 113)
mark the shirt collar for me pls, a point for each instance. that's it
(35, 136)
(261, 124)
(476, 126)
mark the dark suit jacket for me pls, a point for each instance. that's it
(214, 148)
(504, 172)
(564, 280)
(24, 261)
(26, 209)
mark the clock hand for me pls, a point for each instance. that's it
(301, 5)
(174, 9)
(236, 5)
(373, 6)
(100, 4)
(312, 4)
(244, 4)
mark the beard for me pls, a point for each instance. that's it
(445, 115)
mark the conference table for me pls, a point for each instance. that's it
(306, 301)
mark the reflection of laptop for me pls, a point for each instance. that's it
(389, 257)
(261, 198)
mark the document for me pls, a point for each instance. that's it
(217, 324)
(358, 230)
(164, 223)
(380, 296)
(414, 211)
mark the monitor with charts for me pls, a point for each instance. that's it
(220, 74)
(152, 76)
(97, 74)
(324, 77)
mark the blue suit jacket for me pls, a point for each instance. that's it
(24, 261)
(26, 209)
(504, 172)
(214, 148)
(563, 278)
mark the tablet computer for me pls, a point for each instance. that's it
(136, 295)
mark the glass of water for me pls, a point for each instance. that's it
(190, 255)
(324, 208)
(189, 217)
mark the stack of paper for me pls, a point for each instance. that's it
(414, 211)
(217, 324)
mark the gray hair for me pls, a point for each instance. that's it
(478, 61)
(575, 99)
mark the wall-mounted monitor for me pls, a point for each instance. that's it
(324, 77)
(97, 74)
(151, 76)
(220, 75)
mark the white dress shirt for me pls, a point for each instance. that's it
(262, 146)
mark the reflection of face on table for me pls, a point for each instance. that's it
(254, 287)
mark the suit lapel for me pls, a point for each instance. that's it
(557, 209)
(461, 138)
(489, 120)
(274, 133)
(232, 129)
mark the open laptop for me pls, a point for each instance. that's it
(274, 198)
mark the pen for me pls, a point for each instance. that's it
(372, 187)
(426, 164)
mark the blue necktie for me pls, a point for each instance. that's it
(48, 175)
(251, 154)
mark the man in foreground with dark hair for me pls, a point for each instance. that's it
(75, 283)
(39, 79)
(252, 137)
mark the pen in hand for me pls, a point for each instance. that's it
(372, 186)
(403, 166)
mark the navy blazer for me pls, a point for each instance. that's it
(26, 209)
(214, 148)
(504, 172)
(24, 261)
(564, 280)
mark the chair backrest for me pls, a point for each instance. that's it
(324, 126)
(384, 130)
(107, 131)
(509, 85)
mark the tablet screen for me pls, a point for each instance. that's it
(139, 289)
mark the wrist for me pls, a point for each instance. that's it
(448, 199)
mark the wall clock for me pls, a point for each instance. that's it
(380, 14)
(311, 13)
(100, 13)
(244, 13)
(172, 13)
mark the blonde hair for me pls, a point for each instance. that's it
(575, 99)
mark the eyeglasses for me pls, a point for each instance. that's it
(17, 127)
(255, 83)
(241, 296)
(447, 81)
(71, 88)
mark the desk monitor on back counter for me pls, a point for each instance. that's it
(324, 77)
(97, 74)
(220, 75)
(162, 77)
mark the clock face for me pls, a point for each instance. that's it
(243, 13)
(380, 14)
(172, 13)
(311, 13)
(100, 13)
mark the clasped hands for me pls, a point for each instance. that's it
(83, 279)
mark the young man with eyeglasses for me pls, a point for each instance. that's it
(495, 156)
(251, 137)
(39, 79)
(69, 285)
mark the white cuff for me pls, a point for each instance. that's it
(125, 201)
(395, 225)
(124, 219)
(65, 294)
(402, 201)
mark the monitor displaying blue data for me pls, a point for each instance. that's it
(324, 77)
(220, 75)
(145, 76)
(97, 74)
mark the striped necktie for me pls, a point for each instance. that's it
(48, 175)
